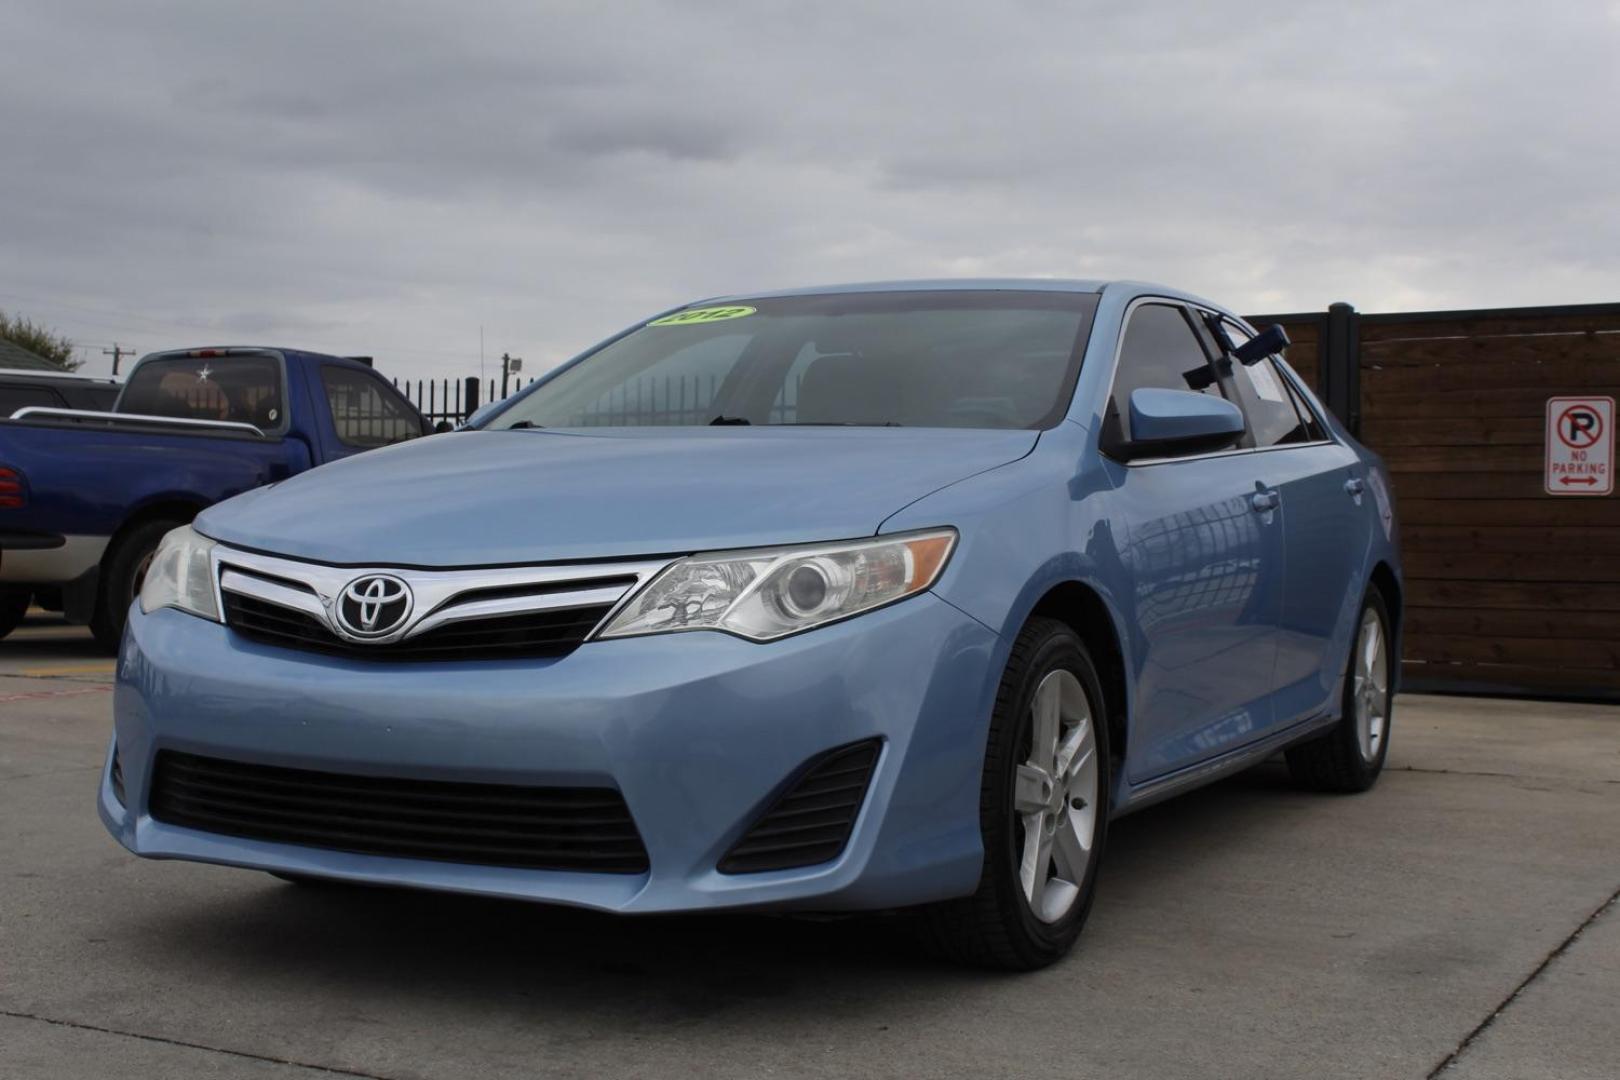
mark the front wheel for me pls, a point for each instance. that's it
(1349, 757)
(1043, 810)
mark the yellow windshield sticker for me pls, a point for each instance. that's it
(698, 316)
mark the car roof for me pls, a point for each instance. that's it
(1070, 285)
(926, 285)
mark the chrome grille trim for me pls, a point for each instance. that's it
(313, 589)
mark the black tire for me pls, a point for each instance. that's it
(1334, 761)
(996, 927)
(121, 572)
(14, 602)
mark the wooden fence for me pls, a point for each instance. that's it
(1508, 589)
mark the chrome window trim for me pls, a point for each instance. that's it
(1188, 305)
(1234, 452)
(274, 580)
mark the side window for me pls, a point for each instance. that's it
(13, 398)
(1159, 351)
(1266, 397)
(365, 412)
(1307, 415)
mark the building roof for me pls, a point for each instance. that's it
(15, 356)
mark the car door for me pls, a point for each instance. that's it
(1203, 550)
(1327, 519)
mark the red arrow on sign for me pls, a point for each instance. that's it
(1568, 480)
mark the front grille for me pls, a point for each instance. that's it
(118, 777)
(810, 822)
(530, 634)
(558, 828)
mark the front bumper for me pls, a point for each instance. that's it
(698, 731)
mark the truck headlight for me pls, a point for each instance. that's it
(772, 592)
(181, 575)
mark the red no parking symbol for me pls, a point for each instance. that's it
(1580, 427)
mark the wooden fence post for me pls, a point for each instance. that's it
(1341, 365)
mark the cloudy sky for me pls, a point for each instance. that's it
(387, 178)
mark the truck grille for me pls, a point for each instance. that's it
(529, 634)
(558, 828)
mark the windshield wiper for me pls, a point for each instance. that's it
(842, 423)
(522, 424)
(730, 421)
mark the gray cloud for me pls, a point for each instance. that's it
(386, 177)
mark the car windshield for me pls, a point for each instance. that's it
(948, 358)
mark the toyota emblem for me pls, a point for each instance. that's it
(373, 606)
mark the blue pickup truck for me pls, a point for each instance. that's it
(85, 496)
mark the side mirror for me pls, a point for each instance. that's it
(443, 426)
(1273, 339)
(1170, 422)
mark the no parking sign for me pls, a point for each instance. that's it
(1580, 445)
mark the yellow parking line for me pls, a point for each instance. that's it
(98, 667)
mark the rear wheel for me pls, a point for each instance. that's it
(122, 572)
(1350, 756)
(14, 601)
(1043, 811)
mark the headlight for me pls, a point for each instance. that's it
(181, 575)
(773, 592)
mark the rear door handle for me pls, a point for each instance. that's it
(1263, 501)
(1355, 485)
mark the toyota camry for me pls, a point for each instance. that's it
(865, 597)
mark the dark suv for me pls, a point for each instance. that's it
(22, 387)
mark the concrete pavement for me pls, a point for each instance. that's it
(1460, 916)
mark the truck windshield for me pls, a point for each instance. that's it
(946, 358)
(246, 389)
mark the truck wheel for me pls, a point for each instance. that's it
(122, 572)
(1043, 810)
(13, 606)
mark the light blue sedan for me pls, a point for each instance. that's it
(863, 597)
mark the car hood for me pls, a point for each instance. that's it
(493, 497)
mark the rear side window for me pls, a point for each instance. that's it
(243, 389)
(1274, 419)
(1307, 415)
(1159, 351)
(13, 398)
(365, 411)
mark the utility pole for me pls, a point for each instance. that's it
(510, 365)
(117, 353)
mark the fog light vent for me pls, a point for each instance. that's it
(810, 821)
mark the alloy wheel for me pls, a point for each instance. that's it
(1370, 690)
(1055, 795)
